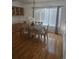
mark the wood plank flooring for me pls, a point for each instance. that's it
(23, 48)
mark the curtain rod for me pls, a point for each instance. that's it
(48, 7)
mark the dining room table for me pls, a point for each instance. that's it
(36, 30)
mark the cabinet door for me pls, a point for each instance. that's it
(21, 11)
(17, 11)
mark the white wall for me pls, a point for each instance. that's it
(28, 10)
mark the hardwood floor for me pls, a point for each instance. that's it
(23, 48)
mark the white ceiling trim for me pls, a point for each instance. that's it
(38, 1)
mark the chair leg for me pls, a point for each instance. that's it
(41, 37)
(44, 39)
(47, 39)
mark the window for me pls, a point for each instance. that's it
(46, 15)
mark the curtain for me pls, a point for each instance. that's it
(46, 15)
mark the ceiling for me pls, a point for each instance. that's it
(30, 1)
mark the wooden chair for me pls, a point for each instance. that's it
(24, 30)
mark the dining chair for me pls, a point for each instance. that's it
(24, 29)
(31, 31)
(44, 33)
(38, 27)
